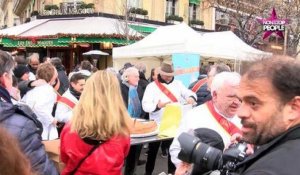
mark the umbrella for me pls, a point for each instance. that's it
(95, 52)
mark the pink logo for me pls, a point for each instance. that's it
(273, 24)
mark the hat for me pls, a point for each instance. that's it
(166, 69)
(127, 65)
(20, 70)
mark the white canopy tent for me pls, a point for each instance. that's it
(163, 41)
(180, 38)
(154, 48)
(224, 45)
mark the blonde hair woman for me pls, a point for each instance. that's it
(97, 139)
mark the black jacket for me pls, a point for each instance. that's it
(31, 69)
(63, 79)
(143, 82)
(24, 86)
(203, 95)
(280, 156)
(27, 130)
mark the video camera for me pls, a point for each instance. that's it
(208, 157)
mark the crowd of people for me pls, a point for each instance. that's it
(93, 114)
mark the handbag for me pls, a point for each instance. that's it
(88, 154)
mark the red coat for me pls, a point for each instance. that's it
(107, 159)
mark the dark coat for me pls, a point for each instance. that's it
(281, 156)
(143, 82)
(63, 79)
(140, 91)
(31, 69)
(27, 132)
(203, 95)
(24, 86)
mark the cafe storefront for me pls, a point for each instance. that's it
(68, 39)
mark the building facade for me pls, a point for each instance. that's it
(7, 17)
(192, 12)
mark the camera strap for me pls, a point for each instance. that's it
(227, 125)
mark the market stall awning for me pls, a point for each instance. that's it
(66, 31)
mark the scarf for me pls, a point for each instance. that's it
(134, 103)
(74, 92)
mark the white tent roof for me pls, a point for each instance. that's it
(181, 38)
(78, 25)
(163, 41)
(224, 45)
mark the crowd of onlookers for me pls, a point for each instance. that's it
(93, 113)
(89, 103)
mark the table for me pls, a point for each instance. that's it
(143, 140)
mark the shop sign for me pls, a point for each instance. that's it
(67, 12)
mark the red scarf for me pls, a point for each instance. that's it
(66, 101)
(166, 91)
(228, 126)
(199, 84)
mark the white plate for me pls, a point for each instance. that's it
(153, 133)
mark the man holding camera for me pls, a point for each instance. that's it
(219, 114)
(270, 115)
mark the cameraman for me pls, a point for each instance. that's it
(219, 114)
(270, 115)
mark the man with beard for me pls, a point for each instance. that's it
(70, 98)
(219, 114)
(270, 115)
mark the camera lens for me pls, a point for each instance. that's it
(207, 156)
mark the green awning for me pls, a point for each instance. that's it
(142, 29)
(7, 42)
(59, 42)
(94, 40)
(196, 2)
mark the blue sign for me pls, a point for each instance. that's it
(186, 67)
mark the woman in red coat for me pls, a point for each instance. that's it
(97, 139)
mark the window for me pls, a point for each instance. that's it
(193, 8)
(67, 7)
(171, 7)
(222, 18)
(134, 3)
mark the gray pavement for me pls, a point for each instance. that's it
(161, 164)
